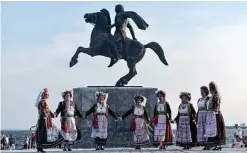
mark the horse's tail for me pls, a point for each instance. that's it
(158, 50)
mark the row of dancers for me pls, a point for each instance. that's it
(205, 127)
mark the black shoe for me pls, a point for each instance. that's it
(40, 150)
(138, 147)
(208, 148)
(64, 149)
(69, 149)
(102, 148)
(97, 147)
(217, 148)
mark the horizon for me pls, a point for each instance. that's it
(202, 42)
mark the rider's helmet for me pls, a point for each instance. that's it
(119, 8)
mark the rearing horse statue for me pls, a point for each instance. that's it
(100, 45)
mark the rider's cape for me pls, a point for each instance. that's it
(139, 21)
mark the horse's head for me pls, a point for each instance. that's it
(101, 18)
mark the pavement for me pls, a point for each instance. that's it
(173, 149)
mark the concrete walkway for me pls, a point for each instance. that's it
(131, 150)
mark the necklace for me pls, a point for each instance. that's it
(183, 106)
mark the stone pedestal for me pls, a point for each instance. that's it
(120, 99)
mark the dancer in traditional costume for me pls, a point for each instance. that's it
(47, 135)
(186, 124)
(162, 117)
(69, 111)
(100, 112)
(201, 117)
(139, 125)
(215, 128)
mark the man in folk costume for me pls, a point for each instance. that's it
(139, 125)
(121, 23)
(201, 117)
(69, 111)
(162, 118)
(47, 135)
(100, 111)
(186, 125)
(215, 128)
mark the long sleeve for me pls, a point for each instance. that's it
(77, 112)
(52, 115)
(193, 111)
(90, 110)
(112, 113)
(128, 113)
(59, 109)
(169, 112)
(216, 102)
(177, 117)
(146, 115)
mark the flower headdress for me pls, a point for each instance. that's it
(100, 93)
(142, 98)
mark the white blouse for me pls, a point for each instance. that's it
(183, 109)
(138, 111)
(161, 107)
(70, 109)
(201, 103)
(101, 108)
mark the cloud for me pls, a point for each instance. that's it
(210, 53)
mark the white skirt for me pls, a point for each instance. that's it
(100, 132)
(141, 136)
(201, 129)
(211, 125)
(160, 128)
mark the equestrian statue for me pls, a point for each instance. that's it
(117, 46)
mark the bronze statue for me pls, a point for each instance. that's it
(103, 43)
(121, 23)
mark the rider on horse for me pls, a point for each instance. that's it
(121, 23)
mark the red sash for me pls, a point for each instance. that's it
(49, 122)
(95, 122)
(64, 126)
(154, 120)
(133, 124)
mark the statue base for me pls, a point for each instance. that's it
(120, 99)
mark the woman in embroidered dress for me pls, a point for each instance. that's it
(69, 111)
(201, 117)
(162, 118)
(186, 125)
(215, 128)
(46, 134)
(100, 112)
(139, 121)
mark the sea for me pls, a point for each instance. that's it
(20, 136)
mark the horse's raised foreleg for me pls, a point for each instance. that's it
(125, 79)
(74, 59)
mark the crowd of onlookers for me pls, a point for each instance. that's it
(29, 142)
(240, 137)
(8, 142)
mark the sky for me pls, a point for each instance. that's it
(202, 41)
